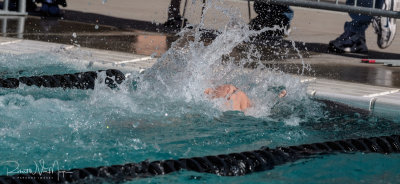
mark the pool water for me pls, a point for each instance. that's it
(167, 116)
(103, 127)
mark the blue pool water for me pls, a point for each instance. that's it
(167, 116)
(97, 127)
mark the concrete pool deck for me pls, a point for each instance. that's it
(124, 34)
(94, 57)
(376, 99)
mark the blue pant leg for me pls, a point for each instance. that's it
(44, 8)
(359, 22)
(54, 10)
(289, 14)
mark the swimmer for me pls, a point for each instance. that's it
(236, 99)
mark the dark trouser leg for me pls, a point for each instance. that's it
(174, 9)
(353, 38)
(270, 15)
(360, 23)
(50, 9)
(174, 17)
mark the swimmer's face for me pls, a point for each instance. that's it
(220, 91)
(282, 94)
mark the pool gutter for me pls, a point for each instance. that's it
(381, 101)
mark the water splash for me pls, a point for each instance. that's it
(175, 84)
(192, 65)
(162, 113)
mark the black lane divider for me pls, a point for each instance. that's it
(82, 80)
(234, 164)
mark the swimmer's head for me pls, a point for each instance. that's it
(220, 91)
(282, 94)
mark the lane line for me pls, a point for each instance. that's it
(134, 60)
(10, 42)
(383, 93)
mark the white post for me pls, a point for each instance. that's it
(4, 28)
(21, 26)
(22, 6)
(5, 5)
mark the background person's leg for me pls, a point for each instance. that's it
(45, 9)
(359, 22)
(385, 27)
(54, 10)
(174, 9)
(353, 38)
(270, 15)
(174, 16)
(50, 9)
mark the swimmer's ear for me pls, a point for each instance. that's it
(230, 88)
(282, 94)
(208, 91)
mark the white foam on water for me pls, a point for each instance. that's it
(172, 89)
(191, 66)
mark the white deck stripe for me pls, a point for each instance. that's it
(308, 80)
(383, 93)
(10, 42)
(134, 60)
(69, 47)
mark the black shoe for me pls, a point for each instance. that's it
(349, 42)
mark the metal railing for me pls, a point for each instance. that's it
(21, 8)
(336, 6)
(6, 15)
(20, 25)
